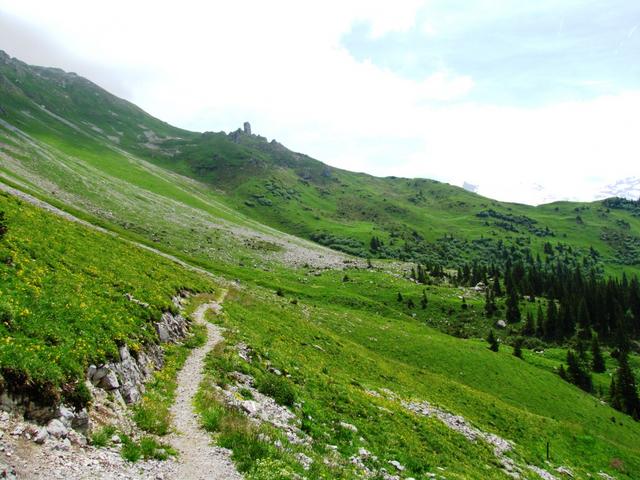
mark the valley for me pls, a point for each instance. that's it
(355, 319)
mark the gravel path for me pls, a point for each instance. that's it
(199, 460)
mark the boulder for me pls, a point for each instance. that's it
(77, 438)
(64, 445)
(566, 471)
(480, 287)
(56, 429)
(41, 436)
(304, 460)
(163, 332)
(364, 453)
(66, 416)
(130, 392)
(251, 407)
(80, 421)
(98, 374)
(501, 324)
(348, 426)
(124, 354)
(109, 381)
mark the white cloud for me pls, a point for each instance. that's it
(209, 66)
(428, 29)
(572, 149)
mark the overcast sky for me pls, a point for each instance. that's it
(530, 101)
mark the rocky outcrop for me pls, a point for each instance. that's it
(25, 405)
(171, 327)
(29, 451)
(262, 408)
(125, 378)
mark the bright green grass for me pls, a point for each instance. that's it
(65, 286)
(339, 339)
(334, 354)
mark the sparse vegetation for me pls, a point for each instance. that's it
(102, 437)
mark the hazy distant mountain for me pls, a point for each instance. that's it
(627, 187)
(470, 187)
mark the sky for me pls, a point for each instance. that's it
(521, 101)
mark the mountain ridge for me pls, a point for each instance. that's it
(382, 365)
(416, 220)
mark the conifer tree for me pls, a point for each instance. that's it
(424, 301)
(624, 391)
(597, 360)
(540, 322)
(4, 226)
(490, 306)
(577, 374)
(513, 309)
(584, 319)
(493, 342)
(581, 349)
(562, 372)
(551, 320)
(614, 395)
(497, 290)
(375, 244)
(422, 274)
(517, 347)
(529, 325)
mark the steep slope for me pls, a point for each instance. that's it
(67, 300)
(366, 383)
(415, 219)
(67, 161)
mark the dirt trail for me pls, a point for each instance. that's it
(199, 460)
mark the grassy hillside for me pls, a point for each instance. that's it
(335, 331)
(63, 299)
(416, 219)
(99, 136)
(334, 356)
